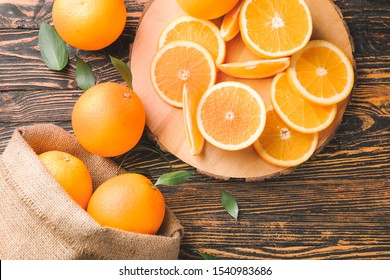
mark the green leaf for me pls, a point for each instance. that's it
(53, 49)
(84, 75)
(123, 70)
(174, 178)
(206, 256)
(230, 204)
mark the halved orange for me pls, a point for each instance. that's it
(282, 146)
(181, 63)
(296, 111)
(231, 115)
(255, 69)
(230, 26)
(321, 72)
(275, 28)
(195, 140)
(200, 31)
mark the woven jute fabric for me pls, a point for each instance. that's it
(38, 220)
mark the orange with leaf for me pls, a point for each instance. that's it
(108, 119)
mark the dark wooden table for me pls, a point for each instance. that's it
(335, 206)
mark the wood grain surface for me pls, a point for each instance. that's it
(335, 206)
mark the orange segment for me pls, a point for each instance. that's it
(275, 28)
(296, 111)
(200, 31)
(231, 115)
(255, 69)
(322, 73)
(280, 145)
(230, 26)
(195, 139)
(181, 63)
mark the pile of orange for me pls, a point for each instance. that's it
(108, 120)
(310, 77)
(128, 202)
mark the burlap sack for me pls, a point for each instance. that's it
(38, 220)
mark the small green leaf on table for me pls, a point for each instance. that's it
(84, 75)
(123, 70)
(174, 178)
(230, 204)
(206, 256)
(53, 49)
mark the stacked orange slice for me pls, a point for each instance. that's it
(309, 79)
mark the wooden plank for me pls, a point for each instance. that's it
(37, 106)
(281, 221)
(29, 71)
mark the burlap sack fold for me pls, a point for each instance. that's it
(38, 220)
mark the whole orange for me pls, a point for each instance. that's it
(71, 173)
(129, 202)
(207, 9)
(108, 119)
(89, 24)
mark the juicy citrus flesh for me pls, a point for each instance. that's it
(203, 32)
(181, 63)
(195, 139)
(207, 9)
(275, 28)
(231, 115)
(129, 202)
(71, 173)
(108, 119)
(255, 69)
(282, 146)
(296, 111)
(89, 24)
(322, 73)
(230, 25)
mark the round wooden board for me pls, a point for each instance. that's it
(166, 122)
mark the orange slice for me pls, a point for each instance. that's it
(231, 115)
(322, 73)
(282, 146)
(256, 68)
(230, 26)
(296, 111)
(191, 100)
(200, 31)
(275, 28)
(181, 63)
